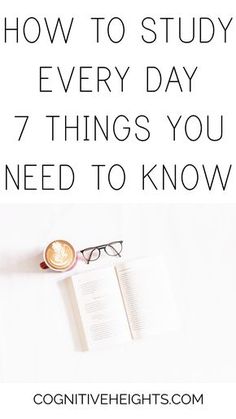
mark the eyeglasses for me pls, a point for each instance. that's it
(91, 254)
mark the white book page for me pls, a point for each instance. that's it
(147, 297)
(101, 307)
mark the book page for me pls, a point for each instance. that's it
(101, 307)
(147, 296)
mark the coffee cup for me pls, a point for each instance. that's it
(59, 256)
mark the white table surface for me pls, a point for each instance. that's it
(38, 336)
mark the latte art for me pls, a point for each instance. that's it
(60, 255)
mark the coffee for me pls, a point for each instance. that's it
(60, 255)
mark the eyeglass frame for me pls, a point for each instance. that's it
(99, 248)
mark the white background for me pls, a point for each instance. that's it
(24, 393)
(213, 94)
(39, 339)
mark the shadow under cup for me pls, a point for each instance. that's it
(59, 256)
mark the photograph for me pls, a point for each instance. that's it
(117, 293)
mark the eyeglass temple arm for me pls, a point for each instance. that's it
(117, 253)
(87, 260)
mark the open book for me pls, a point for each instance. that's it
(118, 303)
